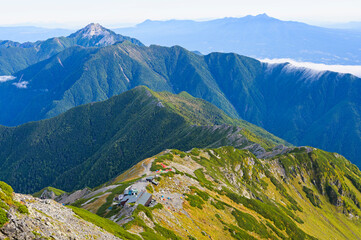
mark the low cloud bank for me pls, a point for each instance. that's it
(6, 78)
(352, 69)
(23, 84)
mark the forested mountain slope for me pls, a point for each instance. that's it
(93, 143)
(303, 106)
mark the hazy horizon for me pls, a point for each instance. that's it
(126, 25)
(119, 13)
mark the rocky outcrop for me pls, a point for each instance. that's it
(71, 198)
(47, 194)
(48, 219)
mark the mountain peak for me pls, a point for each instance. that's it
(93, 30)
(95, 34)
(263, 15)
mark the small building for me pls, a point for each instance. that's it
(130, 191)
(126, 191)
(128, 199)
(144, 198)
(132, 199)
(149, 179)
(155, 182)
(119, 197)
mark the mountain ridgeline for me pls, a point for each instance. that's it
(149, 143)
(229, 193)
(91, 144)
(16, 56)
(258, 36)
(302, 106)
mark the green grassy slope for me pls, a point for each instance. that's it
(228, 193)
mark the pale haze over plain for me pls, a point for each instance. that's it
(112, 13)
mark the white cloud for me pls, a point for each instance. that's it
(6, 78)
(352, 69)
(23, 84)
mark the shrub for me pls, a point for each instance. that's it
(4, 205)
(168, 174)
(202, 179)
(274, 229)
(3, 217)
(195, 152)
(168, 234)
(218, 204)
(271, 212)
(149, 188)
(205, 196)
(239, 234)
(158, 206)
(79, 202)
(195, 201)
(21, 208)
(6, 198)
(250, 223)
(146, 210)
(314, 199)
(7, 189)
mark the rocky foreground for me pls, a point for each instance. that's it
(48, 219)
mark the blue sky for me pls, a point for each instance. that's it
(111, 13)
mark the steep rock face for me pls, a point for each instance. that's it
(49, 219)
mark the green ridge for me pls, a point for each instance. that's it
(91, 144)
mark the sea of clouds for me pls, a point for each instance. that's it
(352, 69)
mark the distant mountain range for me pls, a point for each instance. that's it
(96, 113)
(348, 25)
(258, 36)
(303, 106)
(31, 34)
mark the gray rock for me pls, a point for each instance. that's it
(48, 219)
